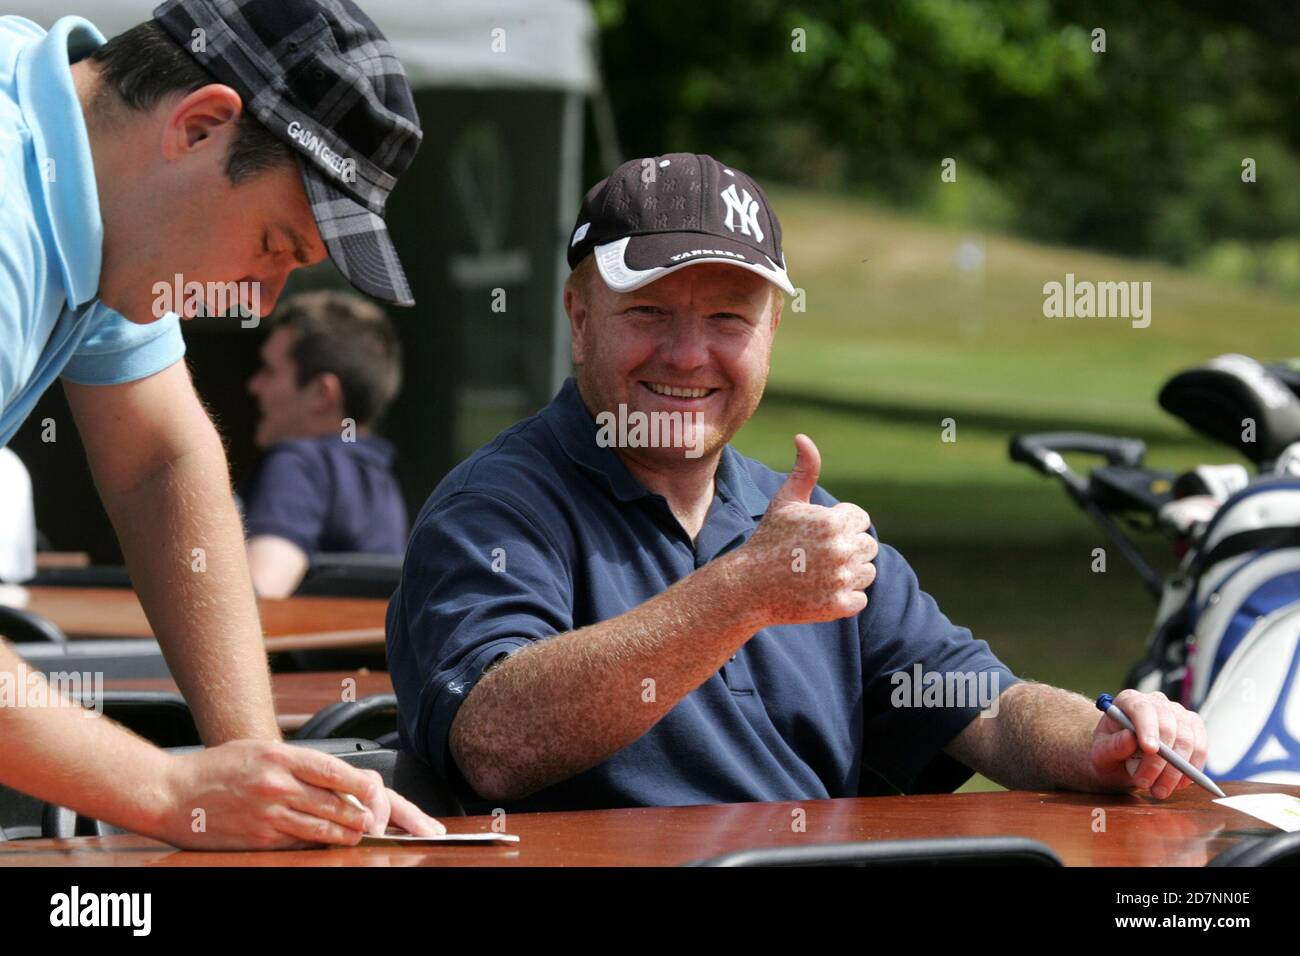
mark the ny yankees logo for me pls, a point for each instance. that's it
(747, 209)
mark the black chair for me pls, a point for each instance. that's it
(948, 851)
(62, 823)
(344, 575)
(115, 659)
(160, 717)
(401, 773)
(1281, 849)
(411, 778)
(370, 717)
(27, 627)
(20, 815)
(352, 575)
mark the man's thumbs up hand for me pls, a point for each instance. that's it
(803, 476)
(807, 562)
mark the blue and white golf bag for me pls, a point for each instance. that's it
(1227, 636)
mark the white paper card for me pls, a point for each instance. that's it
(1280, 809)
(443, 838)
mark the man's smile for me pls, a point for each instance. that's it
(679, 394)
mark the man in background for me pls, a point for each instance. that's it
(330, 368)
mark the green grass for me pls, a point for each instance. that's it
(889, 347)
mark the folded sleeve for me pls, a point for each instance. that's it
(288, 496)
(924, 679)
(481, 580)
(116, 350)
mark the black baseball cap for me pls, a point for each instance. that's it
(319, 75)
(655, 215)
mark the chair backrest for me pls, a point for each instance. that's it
(125, 659)
(947, 851)
(1281, 849)
(352, 575)
(23, 627)
(411, 778)
(161, 717)
(370, 717)
(20, 815)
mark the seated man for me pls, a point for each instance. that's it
(330, 368)
(590, 617)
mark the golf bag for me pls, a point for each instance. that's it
(1226, 642)
(1226, 639)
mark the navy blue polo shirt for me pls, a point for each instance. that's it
(802, 711)
(327, 495)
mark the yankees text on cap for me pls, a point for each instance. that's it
(320, 76)
(656, 215)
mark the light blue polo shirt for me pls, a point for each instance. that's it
(51, 234)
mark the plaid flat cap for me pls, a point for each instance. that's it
(319, 75)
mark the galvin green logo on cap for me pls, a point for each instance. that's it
(344, 168)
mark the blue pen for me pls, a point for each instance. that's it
(1106, 704)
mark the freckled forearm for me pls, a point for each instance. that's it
(1040, 740)
(183, 542)
(565, 704)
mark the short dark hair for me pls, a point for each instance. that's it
(353, 338)
(142, 66)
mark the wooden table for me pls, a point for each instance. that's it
(1186, 830)
(298, 697)
(290, 624)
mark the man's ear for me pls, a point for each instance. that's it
(199, 118)
(327, 394)
(778, 303)
(575, 304)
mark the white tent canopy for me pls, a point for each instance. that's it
(545, 44)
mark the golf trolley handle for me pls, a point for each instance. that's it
(1043, 452)
(1036, 450)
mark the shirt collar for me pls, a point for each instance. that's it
(734, 481)
(575, 428)
(48, 99)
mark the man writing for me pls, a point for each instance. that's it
(128, 164)
(583, 624)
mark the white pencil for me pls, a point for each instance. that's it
(1106, 704)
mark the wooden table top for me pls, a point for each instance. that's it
(290, 624)
(1186, 830)
(298, 697)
